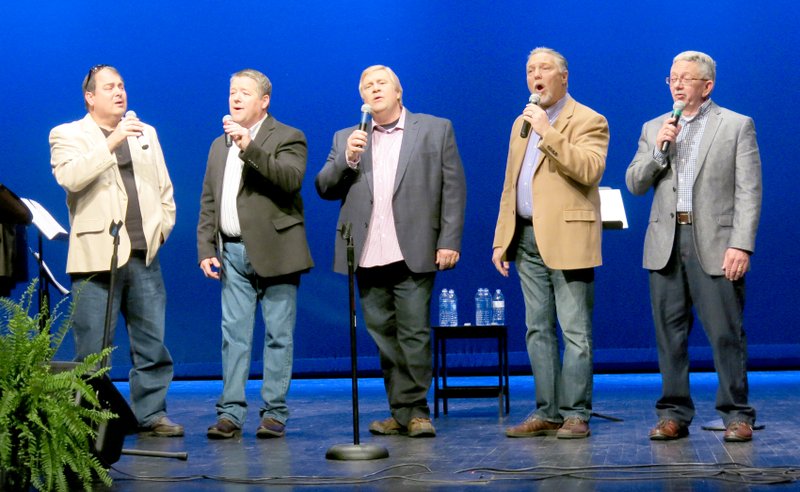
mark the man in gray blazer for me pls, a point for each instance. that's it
(402, 189)
(251, 218)
(705, 170)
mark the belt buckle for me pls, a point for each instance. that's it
(684, 218)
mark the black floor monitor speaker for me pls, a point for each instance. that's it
(111, 435)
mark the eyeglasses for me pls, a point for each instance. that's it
(93, 71)
(682, 79)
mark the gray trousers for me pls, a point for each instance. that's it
(396, 305)
(719, 304)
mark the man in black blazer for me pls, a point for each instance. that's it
(402, 189)
(251, 235)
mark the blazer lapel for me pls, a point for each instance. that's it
(709, 133)
(366, 162)
(96, 138)
(410, 134)
(559, 125)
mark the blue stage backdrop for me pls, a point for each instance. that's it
(456, 59)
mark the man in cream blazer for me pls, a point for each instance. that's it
(549, 223)
(111, 178)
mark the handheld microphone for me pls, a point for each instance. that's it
(526, 125)
(142, 139)
(228, 141)
(366, 110)
(677, 110)
(346, 230)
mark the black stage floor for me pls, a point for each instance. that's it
(471, 450)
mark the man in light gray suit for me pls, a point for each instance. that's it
(705, 171)
(402, 189)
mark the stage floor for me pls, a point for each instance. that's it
(470, 450)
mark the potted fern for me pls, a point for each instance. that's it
(45, 434)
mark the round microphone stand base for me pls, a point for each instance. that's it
(354, 452)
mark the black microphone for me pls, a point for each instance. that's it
(228, 141)
(142, 139)
(366, 110)
(677, 110)
(526, 125)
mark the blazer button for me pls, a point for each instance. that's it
(671, 215)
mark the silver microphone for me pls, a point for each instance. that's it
(366, 110)
(142, 139)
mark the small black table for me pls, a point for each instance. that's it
(440, 336)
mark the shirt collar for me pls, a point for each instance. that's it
(401, 124)
(700, 112)
(554, 110)
(254, 129)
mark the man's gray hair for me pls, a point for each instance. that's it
(708, 67)
(560, 60)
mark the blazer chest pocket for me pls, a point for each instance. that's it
(286, 222)
(579, 216)
(89, 226)
(725, 220)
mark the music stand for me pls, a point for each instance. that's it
(48, 227)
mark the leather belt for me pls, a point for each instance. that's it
(684, 218)
(139, 253)
(231, 239)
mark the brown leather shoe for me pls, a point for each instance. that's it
(668, 430)
(270, 427)
(387, 427)
(573, 428)
(738, 432)
(532, 427)
(421, 427)
(164, 427)
(223, 429)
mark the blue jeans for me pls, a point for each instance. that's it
(562, 390)
(242, 288)
(140, 295)
(719, 304)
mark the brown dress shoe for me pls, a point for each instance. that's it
(668, 430)
(223, 429)
(421, 427)
(573, 428)
(532, 427)
(164, 427)
(387, 427)
(738, 432)
(269, 428)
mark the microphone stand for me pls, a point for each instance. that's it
(114, 231)
(355, 451)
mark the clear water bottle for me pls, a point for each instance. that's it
(487, 307)
(453, 308)
(480, 306)
(444, 308)
(498, 308)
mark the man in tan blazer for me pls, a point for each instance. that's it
(113, 171)
(549, 223)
